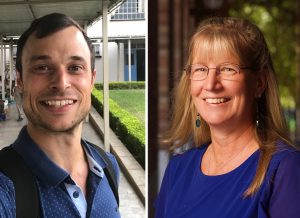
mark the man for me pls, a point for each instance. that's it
(17, 93)
(55, 66)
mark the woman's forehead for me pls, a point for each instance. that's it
(208, 50)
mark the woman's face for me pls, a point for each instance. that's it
(224, 102)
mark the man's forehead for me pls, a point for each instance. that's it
(69, 40)
(70, 31)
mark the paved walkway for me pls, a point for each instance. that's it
(130, 204)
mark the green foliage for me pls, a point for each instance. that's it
(132, 100)
(122, 85)
(278, 22)
(129, 129)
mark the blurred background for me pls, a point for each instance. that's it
(172, 22)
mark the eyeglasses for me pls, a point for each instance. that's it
(225, 71)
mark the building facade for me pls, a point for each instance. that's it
(126, 34)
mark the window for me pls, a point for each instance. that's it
(130, 10)
(97, 50)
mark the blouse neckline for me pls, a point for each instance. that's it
(235, 170)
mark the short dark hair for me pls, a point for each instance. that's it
(45, 26)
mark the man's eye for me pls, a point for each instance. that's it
(42, 68)
(75, 68)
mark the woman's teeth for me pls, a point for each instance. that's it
(216, 100)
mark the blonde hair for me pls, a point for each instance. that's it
(243, 39)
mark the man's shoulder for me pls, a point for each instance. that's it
(6, 184)
(7, 197)
(7, 190)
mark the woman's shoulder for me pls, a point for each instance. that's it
(188, 152)
(286, 158)
(284, 177)
(187, 157)
(285, 152)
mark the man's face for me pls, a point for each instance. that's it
(57, 80)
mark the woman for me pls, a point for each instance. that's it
(227, 108)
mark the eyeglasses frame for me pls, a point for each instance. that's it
(187, 69)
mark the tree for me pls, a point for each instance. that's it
(280, 22)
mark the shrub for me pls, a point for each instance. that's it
(122, 85)
(128, 128)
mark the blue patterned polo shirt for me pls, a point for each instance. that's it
(59, 194)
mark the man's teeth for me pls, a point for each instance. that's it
(60, 103)
(215, 100)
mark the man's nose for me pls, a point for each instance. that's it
(60, 80)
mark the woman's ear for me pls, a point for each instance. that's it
(261, 84)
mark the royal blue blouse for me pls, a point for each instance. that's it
(187, 192)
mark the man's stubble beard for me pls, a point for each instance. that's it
(38, 122)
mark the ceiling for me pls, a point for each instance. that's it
(17, 15)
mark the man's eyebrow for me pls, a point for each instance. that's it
(47, 57)
(77, 58)
(39, 57)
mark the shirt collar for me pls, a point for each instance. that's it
(41, 165)
(92, 151)
(93, 165)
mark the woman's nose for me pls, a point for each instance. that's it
(212, 80)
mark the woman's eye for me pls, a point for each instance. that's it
(200, 69)
(228, 70)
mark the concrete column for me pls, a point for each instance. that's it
(105, 75)
(129, 60)
(11, 66)
(118, 60)
(121, 62)
(2, 68)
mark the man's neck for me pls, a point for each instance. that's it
(65, 150)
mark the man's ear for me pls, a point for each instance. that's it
(19, 80)
(261, 84)
(93, 79)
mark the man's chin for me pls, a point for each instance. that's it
(63, 127)
(57, 127)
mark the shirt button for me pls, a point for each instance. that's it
(75, 194)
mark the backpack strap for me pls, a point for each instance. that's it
(109, 171)
(26, 191)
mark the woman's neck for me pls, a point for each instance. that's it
(227, 152)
